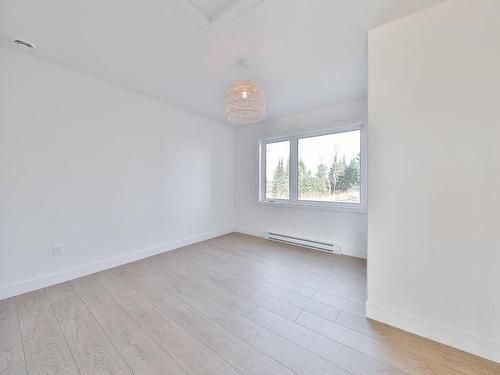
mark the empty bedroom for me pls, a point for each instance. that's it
(216, 187)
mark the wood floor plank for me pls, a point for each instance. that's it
(341, 355)
(281, 283)
(285, 352)
(212, 276)
(93, 351)
(231, 305)
(195, 357)
(294, 256)
(340, 303)
(15, 369)
(392, 355)
(251, 265)
(309, 274)
(185, 279)
(454, 358)
(293, 261)
(239, 353)
(195, 292)
(11, 349)
(357, 264)
(357, 297)
(72, 370)
(44, 345)
(283, 296)
(305, 303)
(266, 301)
(124, 371)
(142, 354)
(249, 275)
(244, 241)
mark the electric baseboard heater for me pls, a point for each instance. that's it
(312, 244)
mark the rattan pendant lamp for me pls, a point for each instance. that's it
(245, 102)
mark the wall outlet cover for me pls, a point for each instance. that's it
(57, 250)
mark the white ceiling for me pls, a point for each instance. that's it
(212, 8)
(303, 53)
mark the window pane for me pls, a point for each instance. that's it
(329, 167)
(277, 170)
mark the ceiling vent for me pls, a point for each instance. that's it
(23, 44)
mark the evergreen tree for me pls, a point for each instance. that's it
(321, 184)
(336, 173)
(305, 179)
(351, 176)
(355, 171)
(279, 185)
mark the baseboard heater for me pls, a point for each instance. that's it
(312, 244)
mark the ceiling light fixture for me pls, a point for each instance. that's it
(245, 103)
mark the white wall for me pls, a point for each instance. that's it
(346, 228)
(434, 176)
(104, 170)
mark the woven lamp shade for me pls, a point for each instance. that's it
(245, 103)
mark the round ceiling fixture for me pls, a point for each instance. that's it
(245, 103)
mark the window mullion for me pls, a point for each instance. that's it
(294, 170)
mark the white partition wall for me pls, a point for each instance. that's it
(111, 175)
(434, 177)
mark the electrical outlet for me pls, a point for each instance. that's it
(57, 250)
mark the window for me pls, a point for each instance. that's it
(328, 167)
(322, 169)
(277, 170)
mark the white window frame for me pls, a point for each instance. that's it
(293, 200)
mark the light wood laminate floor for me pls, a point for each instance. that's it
(231, 305)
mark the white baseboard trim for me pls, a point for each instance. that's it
(250, 232)
(353, 253)
(464, 341)
(29, 285)
(345, 251)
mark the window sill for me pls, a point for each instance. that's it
(321, 206)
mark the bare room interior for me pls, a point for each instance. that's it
(216, 187)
